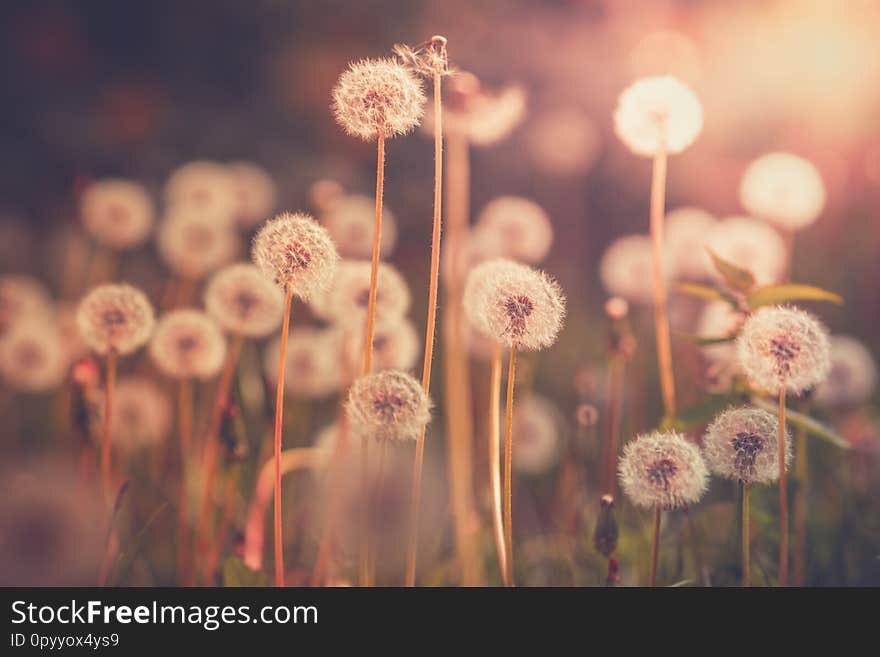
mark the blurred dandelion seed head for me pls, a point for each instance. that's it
(743, 444)
(22, 297)
(686, 236)
(516, 228)
(563, 142)
(484, 117)
(852, 376)
(256, 193)
(350, 220)
(313, 368)
(389, 405)
(142, 414)
(784, 189)
(32, 356)
(188, 344)
(662, 469)
(193, 243)
(115, 316)
(748, 243)
(626, 269)
(347, 300)
(396, 345)
(206, 188)
(537, 442)
(297, 253)
(779, 344)
(378, 97)
(658, 114)
(243, 301)
(118, 214)
(516, 305)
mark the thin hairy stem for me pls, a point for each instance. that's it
(374, 264)
(185, 427)
(661, 320)
(279, 411)
(508, 467)
(746, 545)
(109, 385)
(655, 546)
(617, 372)
(495, 460)
(783, 493)
(800, 507)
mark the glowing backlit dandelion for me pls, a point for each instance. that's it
(784, 189)
(519, 229)
(118, 214)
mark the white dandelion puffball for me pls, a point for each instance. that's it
(297, 253)
(784, 344)
(484, 117)
(784, 189)
(743, 444)
(350, 220)
(243, 301)
(115, 317)
(22, 297)
(684, 242)
(142, 414)
(662, 469)
(188, 344)
(32, 356)
(256, 193)
(658, 114)
(563, 142)
(627, 269)
(313, 366)
(750, 244)
(207, 188)
(48, 520)
(193, 244)
(378, 97)
(347, 300)
(118, 214)
(518, 227)
(520, 307)
(852, 377)
(389, 405)
(537, 443)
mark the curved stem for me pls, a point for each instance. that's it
(495, 459)
(746, 564)
(783, 493)
(416, 495)
(109, 385)
(279, 410)
(374, 264)
(655, 547)
(185, 424)
(508, 467)
(661, 320)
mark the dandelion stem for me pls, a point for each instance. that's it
(508, 467)
(655, 547)
(416, 496)
(495, 459)
(800, 507)
(185, 424)
(374, 265)
(363, 548)
(783, 493)
(374, 499)
(279, 410)
(661, 320)
(746, 563)
(109, 385)
(616, 376)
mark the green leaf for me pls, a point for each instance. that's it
(804, 422)
(776, 294)
(700, 413)
(704, 341)
(706, 292)
(737, 277)
(237, 574)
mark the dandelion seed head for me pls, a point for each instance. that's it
(784, 343)
(396, 345)
(324, 193)
(48, 517)
(193, 244)
(207, 188)
(32, 356)
(347, 301)
(313, 363)
(389, 405)
(22, 297)
(518, 306)
(483, 116)
(686, 237)
(142, 414)
(852, 376)
(350, 220)
(378, 96)
(658, 114)
(428, 59)
(117, 213)
(743, 444)
(243, 301)
(188, 344)
(256, 193)
(297, 253)
(563, 142)
(115, 316)
(517, 227)
(784, 189)
(662, 469)
(750, 244)
(537, 442)
(64, 322)
(626, 269)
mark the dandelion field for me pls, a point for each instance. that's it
(441, 294)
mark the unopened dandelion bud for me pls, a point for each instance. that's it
(606, 532)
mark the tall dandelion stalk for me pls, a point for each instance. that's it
(495, 460)
(296, 253)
